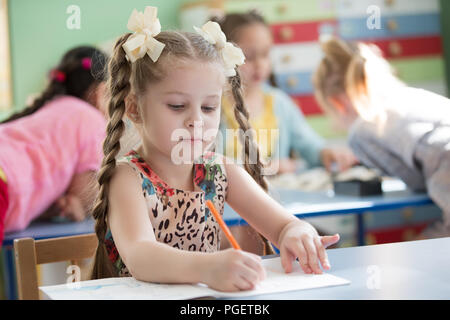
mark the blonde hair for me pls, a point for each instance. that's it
(355, 69)
(125, 77)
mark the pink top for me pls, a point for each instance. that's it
(40, 154)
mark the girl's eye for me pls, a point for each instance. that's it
(208, 108)
(176, 106)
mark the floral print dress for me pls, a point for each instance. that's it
(179, 218)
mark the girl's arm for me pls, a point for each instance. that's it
(303, 139)
(294, 237)
(149, 260)
(78, 200)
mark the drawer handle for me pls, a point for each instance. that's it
(389, 3)
(395, 48)
(408, 214)
(282, 8)
(392, 25)
(286, 33)
(286, 59)
(292, 82)
(408, 235)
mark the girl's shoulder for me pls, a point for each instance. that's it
(133, 160)
(277, 94)
(282, 102)
(210, 162)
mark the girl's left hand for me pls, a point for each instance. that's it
(300, 240)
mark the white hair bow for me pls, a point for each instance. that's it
(145, 26)
(232, 56)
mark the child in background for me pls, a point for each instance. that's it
(51, 150)
(151, 218)
(269, 107)
(400, 130)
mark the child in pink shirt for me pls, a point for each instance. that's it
(50, 151)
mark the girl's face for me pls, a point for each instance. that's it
(182, 112)
(344, 110)
(255, 40)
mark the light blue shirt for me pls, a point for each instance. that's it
(295, 134)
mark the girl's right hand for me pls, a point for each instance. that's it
(234, 270)
(70, 206)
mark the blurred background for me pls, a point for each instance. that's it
(414, 35)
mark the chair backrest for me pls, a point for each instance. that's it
(30, 253)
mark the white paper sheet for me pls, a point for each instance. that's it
(131, 289)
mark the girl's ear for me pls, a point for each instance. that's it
(131, 108)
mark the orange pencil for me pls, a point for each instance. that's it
(222, 225)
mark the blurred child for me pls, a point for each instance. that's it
(400, 130)
(269, 107)
(51, 150)
(151, 218)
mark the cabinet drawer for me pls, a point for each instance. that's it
(395, 234)
(391, 27)
(276, 11)
(295, 83)
(307, 104)
(303, 31)
(401, 218)
(409, 47)
(298, 57)
(358, 8)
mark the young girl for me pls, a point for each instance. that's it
(269, 107)
(50, 150)
(403, 131)
(151, 218)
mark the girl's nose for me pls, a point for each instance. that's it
(197, 123)
(195, 120)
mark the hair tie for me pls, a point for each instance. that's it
(57, 75)
(146, 26)
(86, 63)
(232, 55)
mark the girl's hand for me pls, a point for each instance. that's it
(343, 157)
(300, 240)
(234, 270)
(71, 207)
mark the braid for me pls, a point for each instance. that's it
(249, 144)
(119, 86)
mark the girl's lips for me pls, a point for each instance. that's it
(191, 140)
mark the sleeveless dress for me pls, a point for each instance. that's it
(179, 218)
